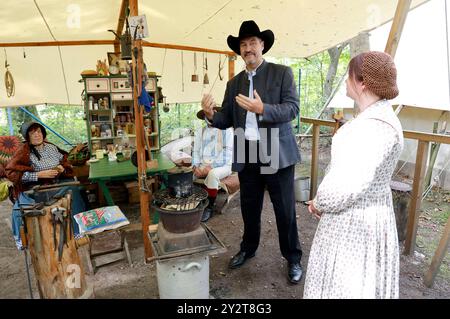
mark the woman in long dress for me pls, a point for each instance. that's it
(355, 251)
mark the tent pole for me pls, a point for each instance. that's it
(120, 24)
(144, 196)
(397, 26)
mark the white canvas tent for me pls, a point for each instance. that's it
(423, 79)
(302, 28)
(421, 59)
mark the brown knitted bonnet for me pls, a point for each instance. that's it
(380, 74)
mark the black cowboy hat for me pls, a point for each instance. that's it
(251, 29)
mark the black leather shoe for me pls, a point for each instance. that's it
(295, 273)
(206, 214)
(239, 259)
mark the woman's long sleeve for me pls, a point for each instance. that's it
(353, 165)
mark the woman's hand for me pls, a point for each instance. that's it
(60, 169)
(313, 210)
(49, 173)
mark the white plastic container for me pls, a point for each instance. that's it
(183, 277)
(301, 188)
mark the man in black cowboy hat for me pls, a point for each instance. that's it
(260, 103)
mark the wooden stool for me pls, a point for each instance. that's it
(104, 248)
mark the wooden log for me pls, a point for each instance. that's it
(438, 256)
(63, 279)
(416, 197)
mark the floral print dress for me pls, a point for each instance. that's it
(355, 251)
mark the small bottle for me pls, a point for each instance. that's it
(91, 102)
(106, 102)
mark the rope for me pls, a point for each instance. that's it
(9, 84)
(182, 72)
(162, 70)
(209, 18)
(59, 51)
(9, 80)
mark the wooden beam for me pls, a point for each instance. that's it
(427, 137)
(120, 24)
(438, 256)
(317, 121)
(56, 43)
(314, 161)
(112, 42)
(184, 48)
(416, 198)
(397, 26)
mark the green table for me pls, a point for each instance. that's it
(104, 171)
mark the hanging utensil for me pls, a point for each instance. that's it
(220, 68)
(194, 77)
(205, 77)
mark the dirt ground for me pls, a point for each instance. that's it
(262, 277)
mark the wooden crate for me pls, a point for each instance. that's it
(133, 192)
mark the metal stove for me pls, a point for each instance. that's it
(182, 244)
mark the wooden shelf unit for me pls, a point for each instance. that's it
(114, 116)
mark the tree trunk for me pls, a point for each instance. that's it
(56, 279)
(359, 44)
(335, 54)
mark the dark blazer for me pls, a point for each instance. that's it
(276, 86)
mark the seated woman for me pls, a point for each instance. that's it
(211, 159)
(39, 162)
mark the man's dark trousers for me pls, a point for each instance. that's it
(280, 186)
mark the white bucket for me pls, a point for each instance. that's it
(183, 278)
(301, 188)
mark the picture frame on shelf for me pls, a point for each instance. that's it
(151, 85)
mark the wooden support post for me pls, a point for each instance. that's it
(397, 26)
(416, 198)
(231, 59)
(120, 24)
(314, 161)
(140, 142)
(438, 256)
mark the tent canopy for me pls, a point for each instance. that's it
(302, 28)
